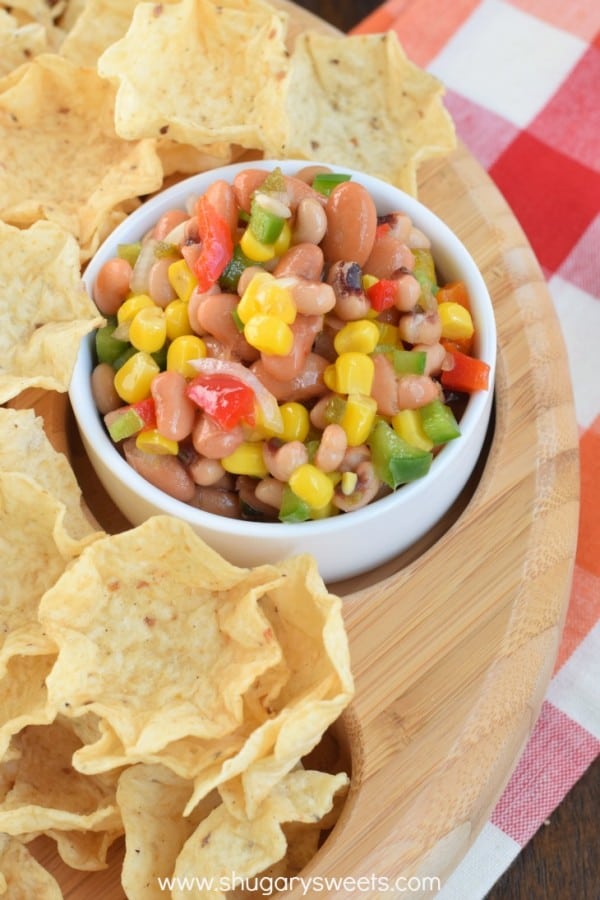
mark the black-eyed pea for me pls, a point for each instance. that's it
(415, 391)
(435, 357)
(332, 448)
(310, 223)
(282, 459)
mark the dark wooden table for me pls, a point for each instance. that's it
(562, 861)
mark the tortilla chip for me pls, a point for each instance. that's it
(19, 43)
(98, 25)
(23, 695)
(21, 875)
(178, 78)
(25, 448)
(62, 160)
(157, 592)
(359, 101)
(44, 308)
(45, 792)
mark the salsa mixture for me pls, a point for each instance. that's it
(279, 351)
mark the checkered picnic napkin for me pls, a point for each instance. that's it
(523, 87)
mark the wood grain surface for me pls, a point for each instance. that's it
(453, 643)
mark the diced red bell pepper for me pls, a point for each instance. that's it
(224, 397)
(382, 294)
(454, 292)
(467, 374)
(382, 229)
(128, 420)
(216, 245)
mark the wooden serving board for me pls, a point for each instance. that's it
(453, 643)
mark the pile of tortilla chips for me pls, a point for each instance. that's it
(148, 689)
(151, 690)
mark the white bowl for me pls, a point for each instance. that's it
(347, 544)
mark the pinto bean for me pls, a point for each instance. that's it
(212, 441)
(313, 298)
(387, 256)
(103, 388)
(244, 185)
(167, 222)
(414, 391)
(159, 286)
(351, 224)
(285, 368)
(167, 473)
(332, 448)
(111, 285)
(217, 501)
(307, 385)
(214, 315)
(175, 412)
(206, 472)
(310, 224)
(270, 492)
(307, 173)
(246, 277)
(383, 389)
(304, 260)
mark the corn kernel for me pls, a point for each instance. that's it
(354, 373)
(330, 377)
(282, 244)
(177, 319)
(132, 381)
(358, 418)
(269, 334)
(388, 333)
(152, 441)
(348, 483)
(311, 485)
(360, 336)
(296, 421)
(148, 329)
(183, 349)
(407, 425)
(247, 459)
(264, 294)
(182, 279)
(130, 307)
(368, 281)
(457, 324)
(254, 249)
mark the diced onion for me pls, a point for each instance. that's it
(270, 412)
(141, 271)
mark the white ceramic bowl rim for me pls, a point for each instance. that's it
(445, 462)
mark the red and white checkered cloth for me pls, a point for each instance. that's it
(523, 87)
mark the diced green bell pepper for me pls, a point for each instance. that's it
(439, 422)
(424, 272)
(293, 509)
(396, 462)
(325, 182)
(108, 348)
(234, 268)
(265, 225)
(408, 362)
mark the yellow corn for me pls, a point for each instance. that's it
(130, 307)
(182, 279)
(368, 281)
(177, 319)
(296, 422)
(266, 295)
(312, 485)
(269, 334)
(282, 244)
(132, 381)
(181, 350)
(457, 324)
(152, 441)
(330, 377)
(407, 425)
(348, 483)
(148, 329)
(388, 333)
(256, 250)
(247, 459)
(358, 418)
(354, 373)
(360, 336)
